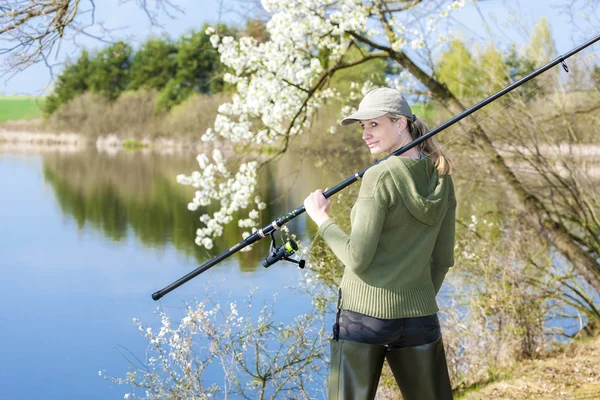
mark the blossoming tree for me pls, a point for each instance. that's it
(282, 82)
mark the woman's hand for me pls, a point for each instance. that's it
(317, 206)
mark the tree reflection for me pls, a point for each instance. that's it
(136, 193)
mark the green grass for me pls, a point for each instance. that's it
(20, 107)
(131, 144)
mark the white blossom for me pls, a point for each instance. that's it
(207, 243)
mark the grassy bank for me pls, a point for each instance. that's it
(13, 108)
(570, 372)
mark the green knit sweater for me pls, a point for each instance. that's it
(402, 240)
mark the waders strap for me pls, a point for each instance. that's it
(336, 326)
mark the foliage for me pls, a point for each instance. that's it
(492, 74)
(109, 70)
(192, 117)
(105, 74)
(92, 115)
(72, 82)
(541, 49)
(458, 70)
(133, 115)
(197, 69)
(257, 29)
(518, 66)
(175, 70)
(374, 71)
(505, 305)
(153, 65)
(474, 75)
(259, 357)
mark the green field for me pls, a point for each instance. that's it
(29, 107)
(20, 107)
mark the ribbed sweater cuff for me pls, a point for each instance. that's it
(325, 225)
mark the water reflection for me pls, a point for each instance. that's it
(134, 193)
(72, 293)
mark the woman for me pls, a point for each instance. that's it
(395, 259)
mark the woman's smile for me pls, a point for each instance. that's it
(380, 135)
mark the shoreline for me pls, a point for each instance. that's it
(31, 141)
(28, 136)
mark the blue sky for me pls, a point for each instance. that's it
(133, 25)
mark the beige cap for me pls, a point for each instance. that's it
(379, 102)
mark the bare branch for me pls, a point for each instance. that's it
(32, 31)
(388, 9)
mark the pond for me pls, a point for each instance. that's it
(87, 237)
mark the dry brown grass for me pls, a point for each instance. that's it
(571, 373)
(133, 116)
(192, 117)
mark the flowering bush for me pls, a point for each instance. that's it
(258, 357)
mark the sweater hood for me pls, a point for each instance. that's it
(427, 194)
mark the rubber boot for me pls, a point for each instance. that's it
(355, 370)
(421, 371)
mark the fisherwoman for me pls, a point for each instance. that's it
(396, 257)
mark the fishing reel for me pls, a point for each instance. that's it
(282, 252)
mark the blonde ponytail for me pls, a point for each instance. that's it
(430, 148)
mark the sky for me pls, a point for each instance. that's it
(128, 21)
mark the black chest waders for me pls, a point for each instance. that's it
(421, 371)
(355, 368)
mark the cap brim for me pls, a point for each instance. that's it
(362, 115)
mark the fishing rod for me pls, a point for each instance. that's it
(286, 250)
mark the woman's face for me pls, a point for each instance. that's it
(383, 135)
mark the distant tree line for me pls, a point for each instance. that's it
(472, 74)
(175, 69)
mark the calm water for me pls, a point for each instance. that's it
(85, 239)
